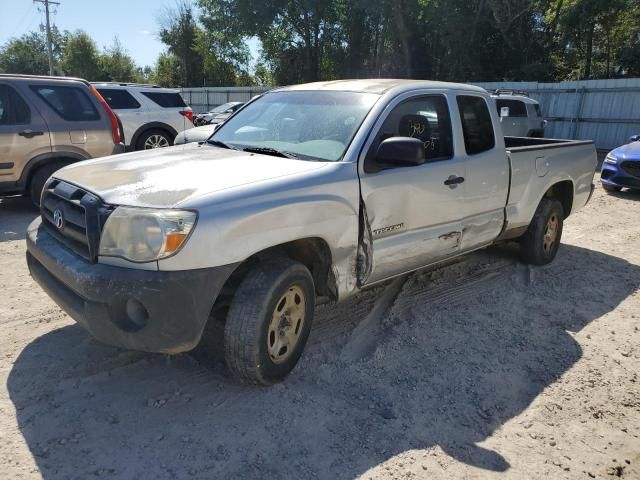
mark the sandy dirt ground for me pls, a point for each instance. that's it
(484, 369)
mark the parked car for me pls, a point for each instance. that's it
(312, 190)
(621, 167)
(195, 134)
(522, 115)
(47, 123)
(218, 114)
(150, 116)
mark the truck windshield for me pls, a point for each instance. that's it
(311, 125)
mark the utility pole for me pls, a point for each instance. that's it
(46, 4)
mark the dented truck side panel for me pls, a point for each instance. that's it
(322, 203)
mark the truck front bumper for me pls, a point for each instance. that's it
(152, 311)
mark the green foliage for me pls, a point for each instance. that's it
(180, 32)
(309, 40)
(168, 71)
(27, 55)
(80, 57)
(459, 40)
(116, 64)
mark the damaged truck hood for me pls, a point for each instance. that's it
(170, 176)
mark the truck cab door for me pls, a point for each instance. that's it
(23, 134)
(414, 213)
(487, 170)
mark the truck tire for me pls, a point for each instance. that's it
(269, 321)
(39, 178)
(539, 245)
(611, 188)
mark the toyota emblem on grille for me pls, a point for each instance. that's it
(58, 219)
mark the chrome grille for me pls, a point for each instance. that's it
(74, 217)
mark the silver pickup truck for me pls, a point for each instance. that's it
(310, 191)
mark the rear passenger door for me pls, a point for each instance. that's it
(414, 212)
(132, 114)
(487, 171)
(23, 133)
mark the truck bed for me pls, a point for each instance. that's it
(529, 143)
(538, 163)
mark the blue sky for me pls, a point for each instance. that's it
(135, 22)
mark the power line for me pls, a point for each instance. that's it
(46, 4)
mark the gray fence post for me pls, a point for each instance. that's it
(578, 116)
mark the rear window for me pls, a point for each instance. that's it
(166, 99)
(516, 107)
(71, 103)
(477, 126)
(538, 110)
(118, 99)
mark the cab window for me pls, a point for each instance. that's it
(477, 126)
(425, 118)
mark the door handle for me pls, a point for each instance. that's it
(453, 181)
(30, 133)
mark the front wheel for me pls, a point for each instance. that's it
(269, 321)
(540, 244)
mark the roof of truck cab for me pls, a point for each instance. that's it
(380, 85)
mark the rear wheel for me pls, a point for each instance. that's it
(269, 321)
(611, 188)
(39, 178)
(154, 139)
(540, 244)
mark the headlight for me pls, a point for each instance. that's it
(610, 159)
(145, 234)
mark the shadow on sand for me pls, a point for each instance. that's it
(448, 369)
(16, 213)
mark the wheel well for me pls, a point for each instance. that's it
(314, 253)
(62, 161)
(563, 192)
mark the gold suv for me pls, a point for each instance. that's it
(47, 123)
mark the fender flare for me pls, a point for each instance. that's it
(39, 160)
(150, 126)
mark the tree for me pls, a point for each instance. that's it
(179, 31)
(167, 71)
(26, 55)
(294, 34)
(116, 64)
(80, 57)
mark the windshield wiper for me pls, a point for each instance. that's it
(218, 143)
(269, 151)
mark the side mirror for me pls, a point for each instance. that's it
(634, 138)
(400, 152)
(504, 112)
